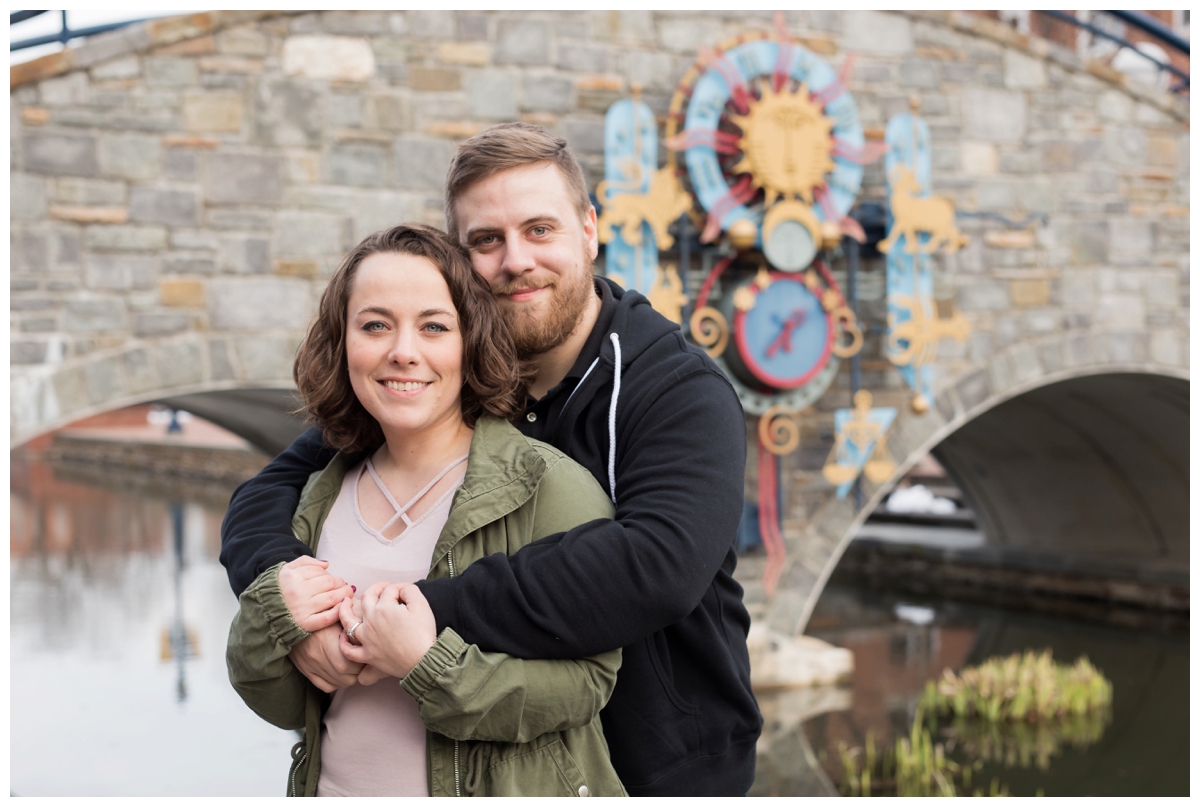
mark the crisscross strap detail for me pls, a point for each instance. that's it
(402, 512)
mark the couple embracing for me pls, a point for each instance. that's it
(503, 562)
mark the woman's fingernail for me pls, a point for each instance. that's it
(354, 588)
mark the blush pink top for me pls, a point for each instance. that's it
(373, 740)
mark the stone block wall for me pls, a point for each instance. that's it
(181, 189)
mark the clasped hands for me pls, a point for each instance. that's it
(397, 627)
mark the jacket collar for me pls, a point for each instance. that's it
(503, 471)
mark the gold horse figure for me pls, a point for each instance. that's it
(658, 207)
(912, 214)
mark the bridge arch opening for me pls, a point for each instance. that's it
(1079, 486)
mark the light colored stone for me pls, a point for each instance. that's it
(73, 89)
(1165, 348)
(978, 159)
(181, 293)
(1031, 293)
(996, 116)
(118, 69)
(475, 54)
(1114, 105)
(1010, 239)
(328, 58)
(1121, 311)
(242, 41)
(493, 94)
(685, 35)
(305, 234)
(126, 237)
(876, 32)
(27, 197)
(60, 154)
(781, 661)
(244, 179)
(90, 215)
(253, 304)
(130, 156)
(1023, 72)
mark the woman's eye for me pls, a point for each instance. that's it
(436, 327)
(374, 326)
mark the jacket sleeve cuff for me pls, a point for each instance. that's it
(266, 592)
(447, 650)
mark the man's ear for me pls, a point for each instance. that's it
(590, 232)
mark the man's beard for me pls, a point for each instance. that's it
(534, 334)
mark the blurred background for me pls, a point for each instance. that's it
(183, 184)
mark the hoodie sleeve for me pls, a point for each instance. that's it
(257, 531)
(607, 584)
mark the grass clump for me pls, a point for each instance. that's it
(1021, 709)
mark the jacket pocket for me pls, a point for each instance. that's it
(546, 771)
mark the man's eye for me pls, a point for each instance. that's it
(485, 240)
(541, 229)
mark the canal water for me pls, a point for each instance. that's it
(120, 611)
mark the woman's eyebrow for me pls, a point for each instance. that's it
(436, 312)
(375, 309)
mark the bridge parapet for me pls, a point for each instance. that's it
(182, 189)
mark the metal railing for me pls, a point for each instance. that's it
(1147, 25)
(63, 36)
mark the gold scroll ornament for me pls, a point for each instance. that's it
(709, 330)
(778, 430)
(860, 431)
(912, 214)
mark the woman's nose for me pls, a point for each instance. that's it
(404, 349)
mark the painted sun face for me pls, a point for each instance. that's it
(404, 345)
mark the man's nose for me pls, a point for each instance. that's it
(518, 257)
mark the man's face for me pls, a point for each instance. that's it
(528, 241)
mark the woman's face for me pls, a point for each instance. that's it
(404, 346)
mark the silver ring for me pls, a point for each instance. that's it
(350, 633)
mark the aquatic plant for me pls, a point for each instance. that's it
(1024, 686)
(1021, 709)
(914, 766)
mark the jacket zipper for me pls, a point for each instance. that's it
(303, 756)
(457, 777)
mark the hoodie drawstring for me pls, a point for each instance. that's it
(612, 419)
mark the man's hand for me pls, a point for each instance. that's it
(311, 593)
(397, 628)
(320, 658)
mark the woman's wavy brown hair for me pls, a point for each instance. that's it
(494, 381)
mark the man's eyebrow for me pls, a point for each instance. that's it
(475, 232)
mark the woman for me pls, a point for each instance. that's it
(410, 372)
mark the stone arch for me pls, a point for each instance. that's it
(1022, 369)
(242, 384)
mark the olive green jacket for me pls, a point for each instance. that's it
(496, 725)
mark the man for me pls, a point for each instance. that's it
(619, 390)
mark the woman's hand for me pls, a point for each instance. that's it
(397, 628)
(311, 593)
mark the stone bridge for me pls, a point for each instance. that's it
(182, 189)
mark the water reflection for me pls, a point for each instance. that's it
(897, 647)
(119, 615)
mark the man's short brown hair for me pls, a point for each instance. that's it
(510, 145)
(493, 379)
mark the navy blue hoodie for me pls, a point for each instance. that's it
(656, 581)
